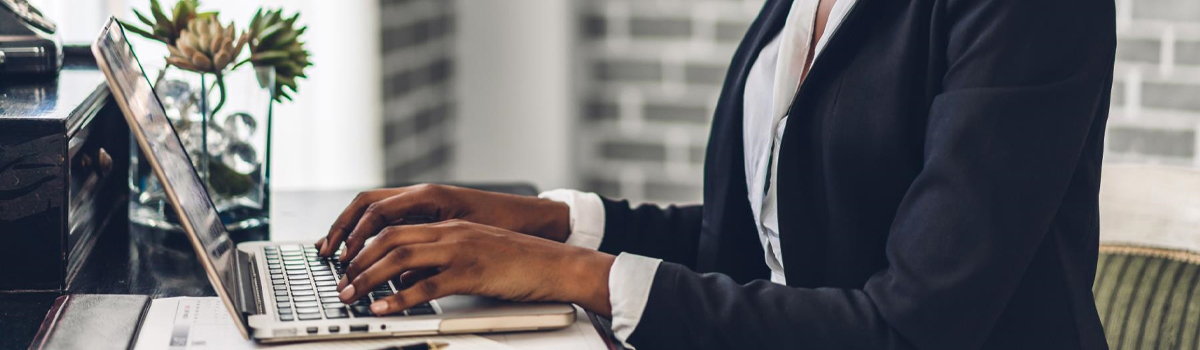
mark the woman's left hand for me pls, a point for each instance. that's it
(477, 259)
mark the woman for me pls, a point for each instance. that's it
(880, 175)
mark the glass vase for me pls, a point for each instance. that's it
(227, 135)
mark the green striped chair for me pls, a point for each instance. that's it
(1147, 285)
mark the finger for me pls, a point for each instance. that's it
(392, 238)
(386, 211)
(413, 276)
(320, 243)
(349, 218)
(401, 259)
(431, 288)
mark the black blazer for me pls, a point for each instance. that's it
(938, 184)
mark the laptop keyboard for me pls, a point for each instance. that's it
(305, 286)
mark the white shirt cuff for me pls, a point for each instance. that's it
(629, 283)
(587, 216)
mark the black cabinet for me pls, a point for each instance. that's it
(64, 155)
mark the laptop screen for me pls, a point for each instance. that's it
(148, 122)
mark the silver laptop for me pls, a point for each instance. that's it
(284, 292)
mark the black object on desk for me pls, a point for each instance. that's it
(64, 151)
(28, 43)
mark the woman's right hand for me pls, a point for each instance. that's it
(374, 210)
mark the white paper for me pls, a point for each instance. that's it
(204, 324)
(582, 336)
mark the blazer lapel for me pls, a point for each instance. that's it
(802, 234)
(725, 198)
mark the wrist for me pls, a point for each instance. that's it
(586, 281)
(555, 220)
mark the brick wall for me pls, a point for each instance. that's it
(1156, 89)
(418, 91)
(654, 69)
(653, 72)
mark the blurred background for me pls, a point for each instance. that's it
(612, 96)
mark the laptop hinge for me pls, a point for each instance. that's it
(249, 292)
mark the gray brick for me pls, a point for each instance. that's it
(593, 27)
(696, 154)
(1118, 94)
(1173, 10)
(1187, 52)
(660, 27)
(603, 187)
(669, 192)
(1154, 142)
(676, 113)
(1145, 51)
(705, 74)
(627, 70)
(731, 32)
(1171, 96)
(600, 110)
(633, 150)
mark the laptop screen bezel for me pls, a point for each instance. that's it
(210, 269)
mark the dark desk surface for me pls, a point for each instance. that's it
(131, 259)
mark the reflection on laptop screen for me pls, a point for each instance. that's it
(129, 83)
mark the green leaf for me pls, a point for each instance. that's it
(255, 23)
(139, 31)
(161, 19)
(269, 34)
(143, 18)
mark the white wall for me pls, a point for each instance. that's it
(329, 136)
(516, 100)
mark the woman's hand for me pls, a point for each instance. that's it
(476, 259)
(372, 211)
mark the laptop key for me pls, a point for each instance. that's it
(326, 288)
(307, 310)
(285, 310)
(281, 299)
(336, 313)
(287, 317)
(327, 294)
(302, 287)
(283, 304)
(361, 310)
(329, 300)
(305, 298)
(306, 304)
(302, 292)
(305, 317)
(323, 277)
(322, 273)
(334, 305)
(423, 309)
(281, 293)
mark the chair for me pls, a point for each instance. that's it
(1147, 286)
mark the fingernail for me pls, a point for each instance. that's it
(347, 293)
(379, 307)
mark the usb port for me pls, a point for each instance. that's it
(358, 328)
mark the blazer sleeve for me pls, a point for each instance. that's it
(671, 233)
(1025, 82)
